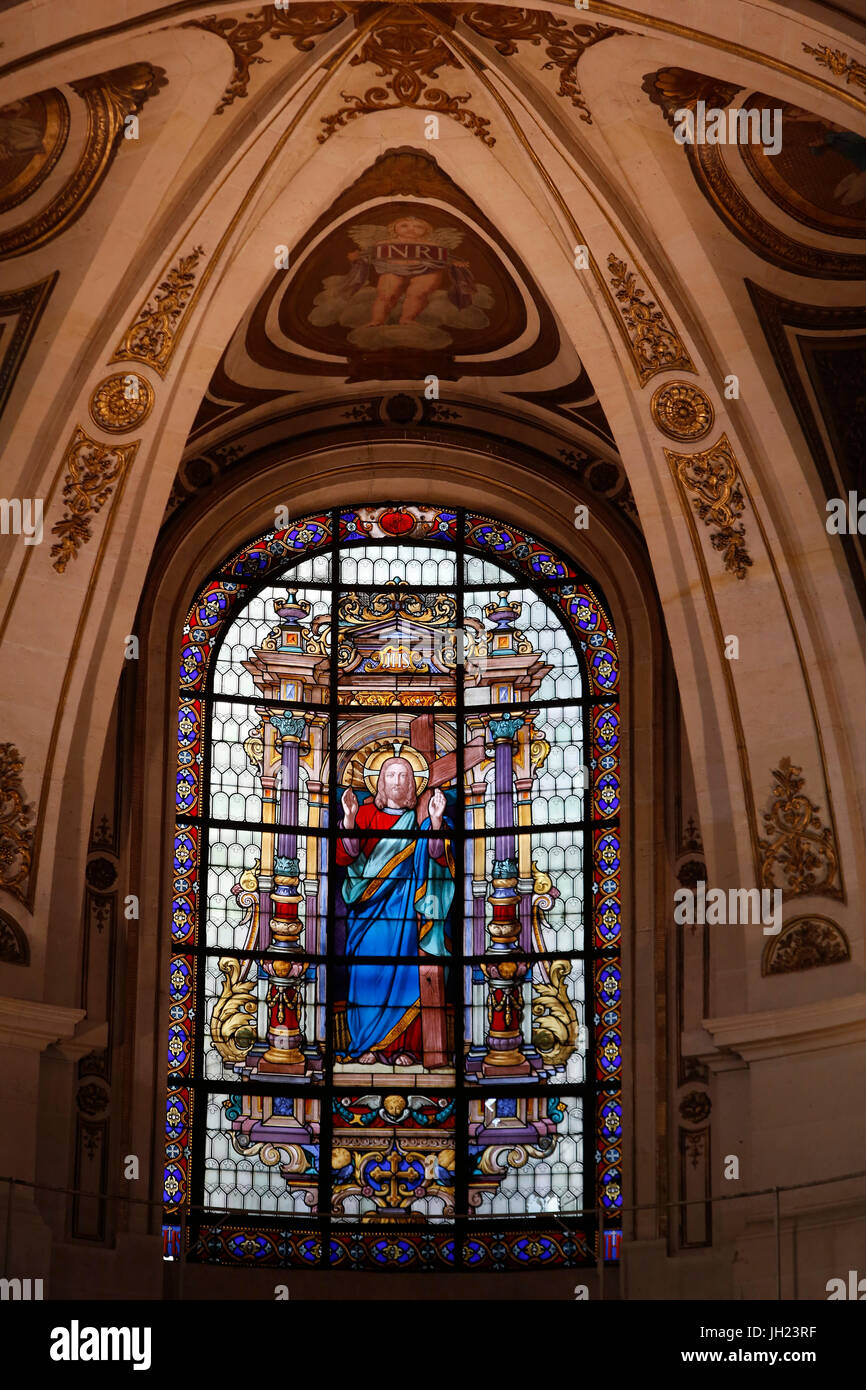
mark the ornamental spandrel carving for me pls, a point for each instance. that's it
(245, 37)
(121, 402)
(713, 476)
(408, 53)
(656, 346)
(804, 944)
(109, 98)
(153, 335)
(92, 470)
(16, 827)
(799, 853)
(565, 44)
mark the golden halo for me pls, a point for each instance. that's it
(416, 760)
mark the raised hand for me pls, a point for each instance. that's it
(350, 808)
(436, 808)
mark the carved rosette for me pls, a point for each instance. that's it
(16, 829)
(714, 477)
(121, 402)
(92, 469)
(682, 411)
(798, 849)
(804, 944)
(407, 52)
(156, 329)
(656, 345)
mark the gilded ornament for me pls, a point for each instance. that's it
(682, 411)
(153, 334)
(554, 1018)
(121, 402)
(16, 830)
(245, 37)
(566, 45)
(408, 53)
(804, 944)
(713, 475)
(233, 1021)
(655, 344)
(798, 845)
(839, 64)
(92, 469)
(109, 98)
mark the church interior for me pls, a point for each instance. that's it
(432, 616)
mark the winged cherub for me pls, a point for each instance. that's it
(411, 261)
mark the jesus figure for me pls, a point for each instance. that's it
(398, 892)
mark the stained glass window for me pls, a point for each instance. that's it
(395, 981)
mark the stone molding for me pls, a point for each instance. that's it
(29, 1024)
(757, 1037)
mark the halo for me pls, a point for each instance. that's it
(416, 761)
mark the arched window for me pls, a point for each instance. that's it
(395, 984)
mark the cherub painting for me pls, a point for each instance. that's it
(404, 288)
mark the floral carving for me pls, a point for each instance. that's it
(695, 1107)
(714, 476)
(92, 469)
(656, 345)
(153, 335)
(798, 845)
(804, 944)
(120, 403)
(682, 411)
(566, 44)
(14, 946)
(839, 64)
(245, 37)
(408, 53)
(16, 831)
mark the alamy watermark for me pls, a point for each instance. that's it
(22, 516)
(738, 906)
(714, 126)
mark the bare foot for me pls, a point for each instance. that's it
(368, 1057)
(405, 1059)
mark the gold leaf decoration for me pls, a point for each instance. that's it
(233, 1021)
(153, 335)
(682, 411)
(245, 37)
(121, 402)
(16, 830)
(839, 64)
(408, 53)
(109, 98)
(566, 45)
(92, 469)
(798, 846)
(804, 944)
(713, 475)
(656, 345)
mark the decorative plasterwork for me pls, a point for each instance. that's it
(109, 97)
(20, 312)
(565, 45)
(714, 476)
(408, 53)
(153, 334)
(682, 411)
(16, 829)
(32, 1025)
(675, 89)
(655, 344)
(836, 1022)
(798, 846)
(121, 402)
(92, 469)
(695, 1107)
(839, 64)
(245, 37)
(804, 944)
(14, 946)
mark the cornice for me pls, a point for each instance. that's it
(758, 1037)
(31, 1025)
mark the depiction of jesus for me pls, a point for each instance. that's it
(411, 265)
(398, 892)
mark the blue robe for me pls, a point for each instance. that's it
(397, 902)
